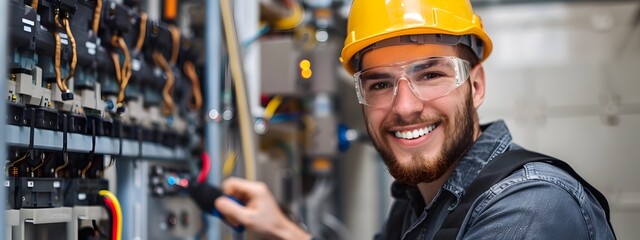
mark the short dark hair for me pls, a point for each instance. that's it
(466, 53)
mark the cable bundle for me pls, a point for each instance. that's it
(113, 205)
(62, 84)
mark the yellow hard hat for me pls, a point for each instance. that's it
(389, 22)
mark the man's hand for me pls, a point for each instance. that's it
(261, 213)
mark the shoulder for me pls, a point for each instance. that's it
(547, 176)
(539, 199)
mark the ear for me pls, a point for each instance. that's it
(477, 85)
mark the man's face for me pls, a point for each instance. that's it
(451, 121)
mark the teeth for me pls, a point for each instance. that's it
(416, 133)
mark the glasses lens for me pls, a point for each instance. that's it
(430, 78)
(433, 78)
(377, 86)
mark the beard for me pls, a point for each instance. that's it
(459, 136)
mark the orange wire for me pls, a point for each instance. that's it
(74, 57)
(96, 17)
(116, 66)
(126, 70)
(34, 5)
(56, 58)
(190, 71)
(159, 60)
(86, 168)
(143, 31)
(175, 39)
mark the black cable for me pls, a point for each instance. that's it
(120, 133)
(32, 126)
(93, 139)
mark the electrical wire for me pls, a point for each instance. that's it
(244, 113)
(126, 70)
(159, 60)
(229, 163)
(65, 156)
(56, 59)
(264, 29)
(118, 210)
(190, 70)
(74, 55)
(271, 107)
(175, 40)
(44, 160)
(11, 164)
(293, 20)
(34, 5)
(96, 17)
(206, 167)
(142, 32)
(114, 217)
(86, 168)
(116, 66)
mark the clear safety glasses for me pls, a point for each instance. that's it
(428, 78)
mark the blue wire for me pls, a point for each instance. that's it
(263, 30)
(279, 118)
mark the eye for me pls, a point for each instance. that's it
(379, 85)
(430, 76)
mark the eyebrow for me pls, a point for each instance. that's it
(376, 76)
(428, 64)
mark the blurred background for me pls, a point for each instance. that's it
(141, 98)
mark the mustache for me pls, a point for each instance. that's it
(398, 121)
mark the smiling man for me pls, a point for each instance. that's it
(418, 75)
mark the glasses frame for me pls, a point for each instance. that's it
(462, 68)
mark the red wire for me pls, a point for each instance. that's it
(114, 218)
(206, 166)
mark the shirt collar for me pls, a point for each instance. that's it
(494, 140)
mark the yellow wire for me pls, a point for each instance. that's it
(244, 117)
(118, 209)
(272, 106)
(229, 164)
(293, 20)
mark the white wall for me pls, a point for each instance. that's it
(566, 78)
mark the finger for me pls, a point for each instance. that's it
(241, 188)
(233, 212)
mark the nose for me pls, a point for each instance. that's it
(406, 104)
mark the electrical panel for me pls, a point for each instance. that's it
(106, 120)
(104, 112)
